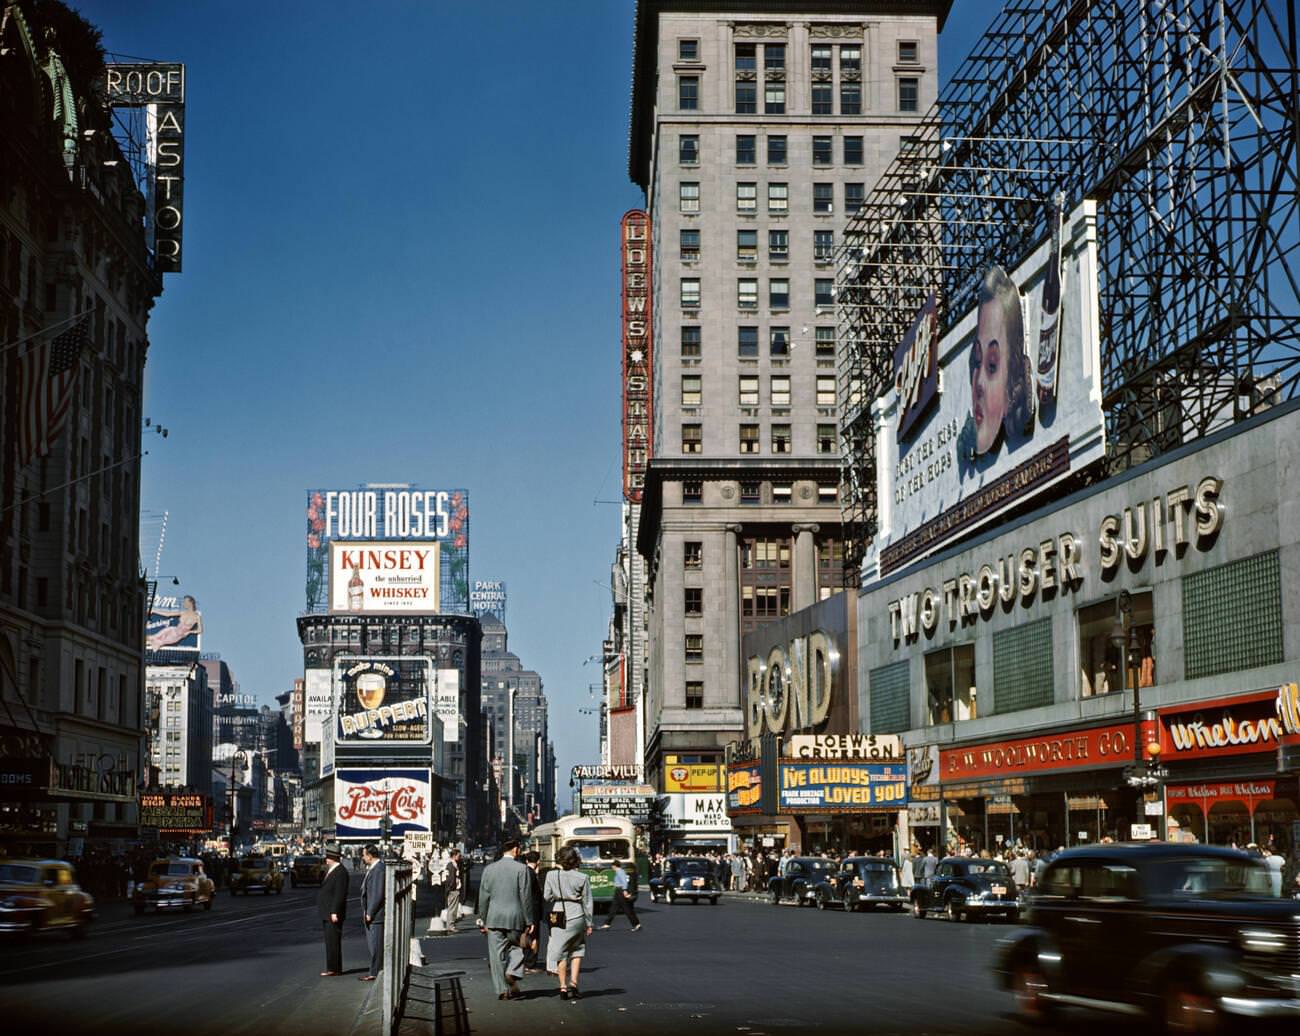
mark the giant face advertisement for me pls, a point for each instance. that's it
(363, 797)
(1003, 406)
(382, 700)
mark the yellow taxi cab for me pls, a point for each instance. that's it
(43, 895)
(177, 881)
(257, 874)
(307, 870)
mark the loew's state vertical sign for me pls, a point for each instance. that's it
(638, 392)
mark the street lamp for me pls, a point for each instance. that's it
(1145, 771)
(237, 759)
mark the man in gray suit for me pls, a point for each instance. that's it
(505, 914)
(372, 908)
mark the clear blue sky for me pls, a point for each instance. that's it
(400, 265)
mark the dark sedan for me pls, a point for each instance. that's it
(799, 879)
(862, 883)
(968, 887)
(686, 877)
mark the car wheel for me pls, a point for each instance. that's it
(821, 902)
(953, 912)
(266, 890)
(138, 908)
(1029, 985)
(189, 906)
(1188, 1010)
(713, 901)
(208, 904)
(918, 911)
(849, 905)
(776, 898)
(79, 930)
(670, 897)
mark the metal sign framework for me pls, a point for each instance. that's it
(1179, 117)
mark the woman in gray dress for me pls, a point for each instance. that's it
(569, 890)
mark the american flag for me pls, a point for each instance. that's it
(46, 383)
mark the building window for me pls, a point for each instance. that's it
(746, 57)
(909, 94)
(764, 602)
(688, 149)
(1215, 600)
(749, 438)
(823, 245)
(850, 98)
(746, 152)
(778, 199)
(890, 692)
(823, 199)
(823, 150)
(694, 693)
(747, 292)
(693, 554)
(774, 99)
(825, 390)
(688, 50)
(825, 438)
(853, 196)
(778, 245)
(780, 389)
(692, 438)
(823, 99)
(690, 339)
(776, 149)
(692, 491)
(821, 57)
(746, 197)
(825, 337)
(853, 151)
(1100, 660)
(778, 293)
(828, 492)
(851, 60)
(749, 390)
(907, 52)
(747, 341)
(774, 56)
(782, 492)
(824, 291)
(689, 197)
(779, 341)
(749, 493)
(688, 93)
(781, 438)
(746, 82)
(690, 245)
(693, 603)
(695, 647)
(692, 390)
(690, 293)
(747, 246)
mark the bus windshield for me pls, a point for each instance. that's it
(603, 852)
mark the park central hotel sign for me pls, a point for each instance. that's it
(637, 390)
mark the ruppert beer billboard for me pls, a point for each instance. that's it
(1005, 405)
(383, 700)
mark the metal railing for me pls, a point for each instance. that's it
(399, 924)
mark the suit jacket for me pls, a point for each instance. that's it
(333, 895)
(372, 893)
(505, 895)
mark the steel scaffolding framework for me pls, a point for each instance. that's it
(1179, 118)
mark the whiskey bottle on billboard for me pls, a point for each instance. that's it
(1049, 326)
(356, 592)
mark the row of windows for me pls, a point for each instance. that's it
(778, 246)
(752, 493)
(750, 438)
(747, 339)
(758, 554)
(778, 292)
(778, 198)
(774, 55)
(823, 149)
(907, 91)
(748, 395)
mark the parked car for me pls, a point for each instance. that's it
(966, 887)
(257, 873)
(1190, 934)
(43, 895)
(177, 881)
(800, 879)
(862, 883)
(686, 877)
(307, 870)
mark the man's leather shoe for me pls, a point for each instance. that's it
(367, 978)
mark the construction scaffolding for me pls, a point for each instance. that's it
(1179, 118)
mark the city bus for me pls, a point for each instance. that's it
(600, 840)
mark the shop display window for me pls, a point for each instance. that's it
(1099, 656)
(950, 684)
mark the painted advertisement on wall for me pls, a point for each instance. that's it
(1005, 405)
(446, 704)
(391, 515)
(382, 700)
(175, 624)
(363, 797)
(379, 578)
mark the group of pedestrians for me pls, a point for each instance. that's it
(332, 908)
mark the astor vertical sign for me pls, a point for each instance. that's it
(638, 401)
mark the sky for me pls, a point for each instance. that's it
(401, 251)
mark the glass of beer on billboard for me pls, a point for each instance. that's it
(370, 688)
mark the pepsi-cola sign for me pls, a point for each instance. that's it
(363, 797)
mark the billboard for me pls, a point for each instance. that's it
(839, 787)
(686, 812)
(488, 597)
(638, 382)
(176, 812)
(175, 624)
(384, 578)
(633, 801)
(693, 777)
(382, 699)
(446, 704)
(362, 797)
(391, 515)
(1005, 405)
(318, 702)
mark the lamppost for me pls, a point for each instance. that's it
(1144, 773)
(237, 759)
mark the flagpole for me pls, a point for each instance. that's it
(92, 474)
(46, 330)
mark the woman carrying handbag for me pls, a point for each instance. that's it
(570, 913)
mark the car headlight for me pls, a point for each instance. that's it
(1260, 940)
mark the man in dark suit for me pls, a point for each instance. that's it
(372, 908)
(332, 906)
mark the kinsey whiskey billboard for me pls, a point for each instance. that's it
(638, 392)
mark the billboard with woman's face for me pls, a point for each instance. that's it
(1005, 405)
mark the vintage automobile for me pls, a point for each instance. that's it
(307, 870)
(686, 877)
(862, 883)
(1190, 934)
(177, 881)
(968, 887)
(799, 880)
(43, 895)
(257, 874)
